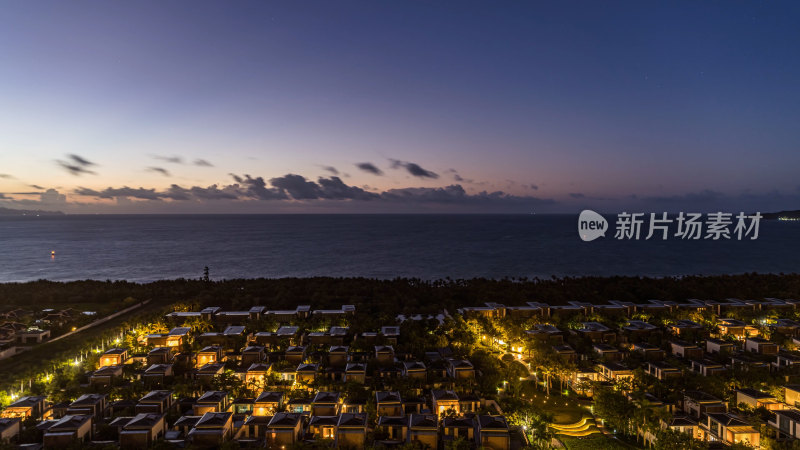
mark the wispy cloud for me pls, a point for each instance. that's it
(413, 168)
(76, 165)
(369, 168)
(202, 163)
(160, 170)
(330, 169)
(73, 169)
(80, 160)
(168, 159)
(458, 178)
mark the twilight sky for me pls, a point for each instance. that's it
(399, 106)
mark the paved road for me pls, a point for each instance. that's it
(102, 320)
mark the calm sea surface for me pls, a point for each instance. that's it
(144, 248)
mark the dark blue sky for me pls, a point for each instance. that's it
(559, 105)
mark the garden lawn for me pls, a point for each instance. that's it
(565, 410)
(594, 442)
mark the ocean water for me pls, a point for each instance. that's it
(145, 248)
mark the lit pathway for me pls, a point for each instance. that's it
(583, 427)
(101, 321)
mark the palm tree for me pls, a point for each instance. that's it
(199, 325)
(582, 386)
(539, 428)
(227, 381)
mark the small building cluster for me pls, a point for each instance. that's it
(275, 388)
(22, 328)
(610, 344)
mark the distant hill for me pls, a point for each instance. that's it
(28, 212)
(795, 215)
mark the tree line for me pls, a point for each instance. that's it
(391, 297)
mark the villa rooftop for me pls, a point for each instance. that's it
(593, 326)
(213, 419)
